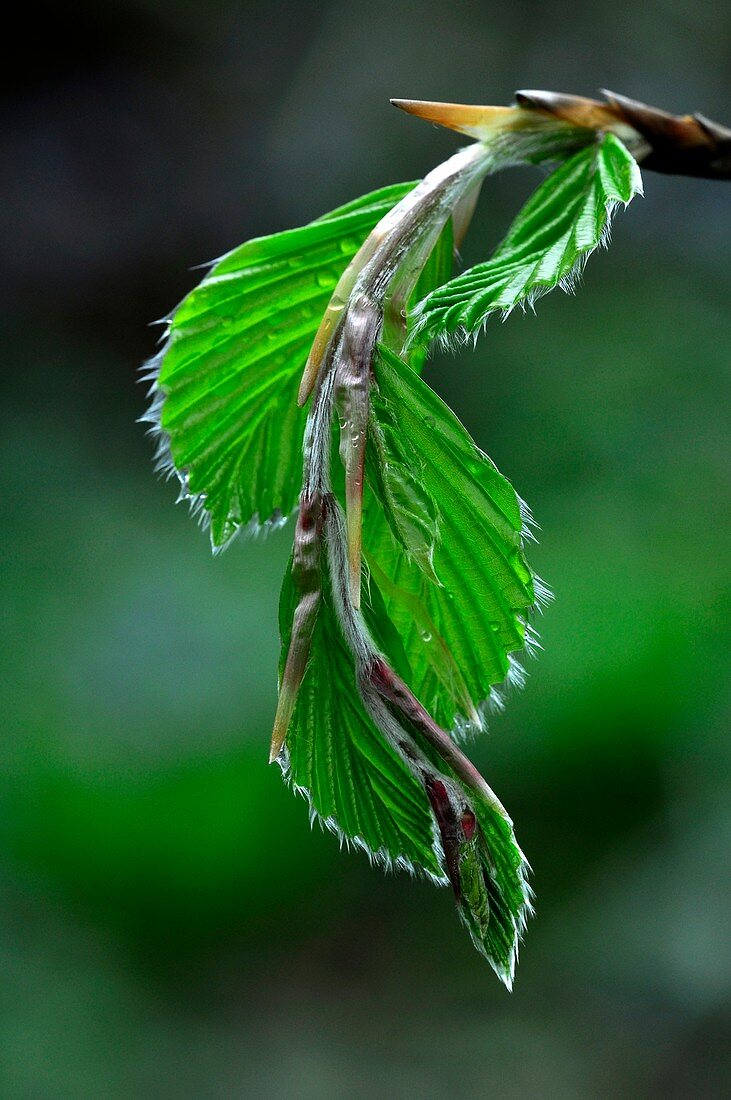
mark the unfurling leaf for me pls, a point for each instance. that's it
(555, 232)
(227, 376)
(396, 476)
(415, 813)
(487, 871)
(495, 902)
(354, 781)
(463, 612)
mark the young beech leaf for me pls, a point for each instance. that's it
(495, 896)
(359, 787)
(567, 217)
(396, 477)
(486, 868)
(226, 378)
(355, 782)
(457, 633)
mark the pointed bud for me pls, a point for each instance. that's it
(588, 114)
(679, 145)
(477, 122)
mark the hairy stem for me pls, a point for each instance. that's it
(370, 271)
(384, 271)
(306, 575)
(394, 253)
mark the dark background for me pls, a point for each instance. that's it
(168, 923)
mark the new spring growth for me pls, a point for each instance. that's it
(398, 656)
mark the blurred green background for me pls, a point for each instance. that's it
(169, 925)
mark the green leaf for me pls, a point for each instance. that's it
(397, 478)
(457, 634)
(355, 782)
(227, 376)
(361, 789)
(561, 224)
(495, 897)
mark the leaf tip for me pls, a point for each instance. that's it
(282, 718)
(306, 385)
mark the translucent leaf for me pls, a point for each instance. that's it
(227, 376)
(438, 267)
(355, 782)
(557, 229)
(458, 633)
(436, 272)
